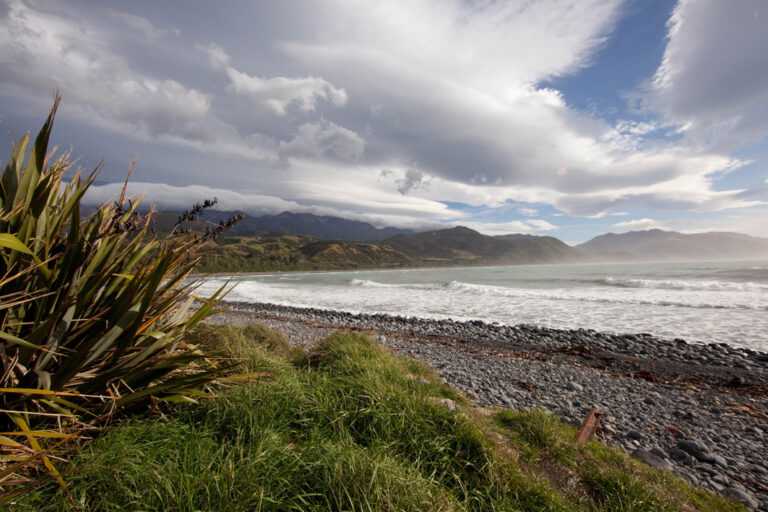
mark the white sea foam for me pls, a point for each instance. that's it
(582, 294)
(676, 284)
(668, 300)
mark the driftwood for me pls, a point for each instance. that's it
(588, 426)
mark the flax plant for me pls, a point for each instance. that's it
(92, 313)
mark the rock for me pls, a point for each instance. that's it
(720, 461)
(574, 386)
(678, 454)
(634, 434)
(652, 460)
(697, 449)
(447, 402)
(423, 382)
(743, 496)
(690, 477)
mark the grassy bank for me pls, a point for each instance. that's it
(352, 427)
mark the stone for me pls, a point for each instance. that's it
(447, 402)
(634, 434)
(574, 386)
(720, 461)
(678, 454)
(652, 460)
(742, 496)
(697, 449)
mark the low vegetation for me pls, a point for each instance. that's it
(350, 426)
(443, 248)
(270, 253)
(92, 313)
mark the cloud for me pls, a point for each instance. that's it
(540, 225)
(218, 58)
(280, 92)
(481, 120)
(711, 82)
(62, 52)
(639, 224)
(445, 95)
(413, 179)
(634, 127)
(510, 227)
(142, 26)
(178, 198)
(276, 93)
(324, 139)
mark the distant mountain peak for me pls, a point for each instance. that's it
(321, 226)
(658, 244)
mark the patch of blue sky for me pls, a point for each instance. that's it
(608, 86)
(505, 212)
(750, 176)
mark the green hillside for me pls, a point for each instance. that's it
(296, 252)
(448, 247)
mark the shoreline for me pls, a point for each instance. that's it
(700, 411)
(197, 275)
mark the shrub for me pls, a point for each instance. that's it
(91, 311)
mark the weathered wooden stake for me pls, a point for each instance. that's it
(588, 426)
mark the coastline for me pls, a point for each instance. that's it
(197, 275)
(698, 410)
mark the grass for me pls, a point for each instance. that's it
(350, 426)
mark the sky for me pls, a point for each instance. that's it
(568, 118)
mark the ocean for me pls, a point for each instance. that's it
(700, 302)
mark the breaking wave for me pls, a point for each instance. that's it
(674, 284)
(588, 295)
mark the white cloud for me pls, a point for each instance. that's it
(276, 93)
(179, 198)
(435, 107)
(324, 139)
(634, 127)
(510, 227)
(640, 224)
(61, 52)
(280, 92)
(540, 225)
(142, 26)
(711, 82)
(217, 56)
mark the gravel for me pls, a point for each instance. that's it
(699, 410)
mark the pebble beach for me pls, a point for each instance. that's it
(698, 410)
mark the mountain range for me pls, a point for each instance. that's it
(321, 226)
(306, 241)
(656, 244)
(462, 245)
